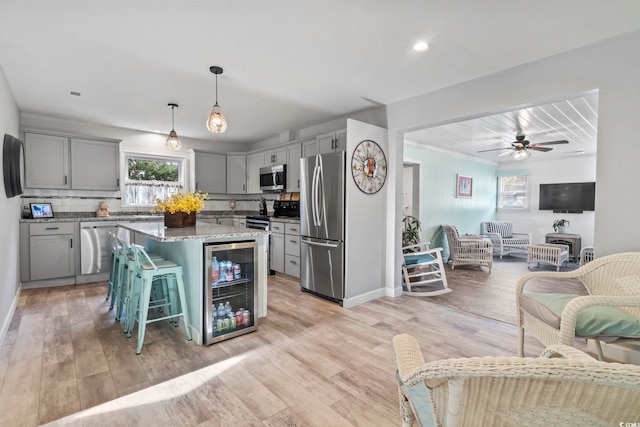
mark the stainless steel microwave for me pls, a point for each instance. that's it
(273, 178)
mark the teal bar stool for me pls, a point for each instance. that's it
(116, 249)
(127, 269)
(169, 293)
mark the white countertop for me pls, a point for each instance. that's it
(201, 231)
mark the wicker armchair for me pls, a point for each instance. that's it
(505, 240)
(586, 255)
(563, 387)
(469, 249)
(610, 312)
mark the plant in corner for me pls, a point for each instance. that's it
(410, 230)
(559, 225)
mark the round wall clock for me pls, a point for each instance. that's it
(369, 167)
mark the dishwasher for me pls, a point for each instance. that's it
(96, 247)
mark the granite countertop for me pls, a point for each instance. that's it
(132, 216)
(201, 231)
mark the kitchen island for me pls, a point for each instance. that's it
(186, 247)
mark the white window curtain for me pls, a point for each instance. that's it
(144, 193)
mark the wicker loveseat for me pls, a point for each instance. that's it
(504, 239)
(563, 387)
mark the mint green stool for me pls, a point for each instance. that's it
(172, 294)
(125, 270)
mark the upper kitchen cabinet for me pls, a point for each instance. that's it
(260, 159)
(325, 143)
(95, 165)
(294, 153)
(332, 141)
(61, 162)
(277, 156)
(211, 172)
(236, 174)
(46, 159)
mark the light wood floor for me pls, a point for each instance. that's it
(311, 363)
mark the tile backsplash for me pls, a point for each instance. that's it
(89, 201)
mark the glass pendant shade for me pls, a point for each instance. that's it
(216, 122)
(520, 154)
(173, 142)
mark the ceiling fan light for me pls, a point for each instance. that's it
(520, 154)
(216, 122)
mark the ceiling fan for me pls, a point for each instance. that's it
(520, 147)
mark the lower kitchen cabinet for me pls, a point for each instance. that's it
(284, 248)
(276, 246)
(51, 250)
(292, 250)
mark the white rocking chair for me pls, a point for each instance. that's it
(423, 271)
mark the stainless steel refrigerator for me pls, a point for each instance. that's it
(322, 224)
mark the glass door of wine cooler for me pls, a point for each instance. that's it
(231, 290)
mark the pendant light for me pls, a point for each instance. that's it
(173, 142)
(216, 122)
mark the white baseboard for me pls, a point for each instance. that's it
(628, 352)
(394, 292)
(7, 320)
(360, 299)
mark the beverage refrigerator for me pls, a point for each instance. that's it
(231, 290)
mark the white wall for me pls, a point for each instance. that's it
(539, 223)
(9, 215)
(609, 66)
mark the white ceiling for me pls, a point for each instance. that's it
(574, 120)
(287, 64)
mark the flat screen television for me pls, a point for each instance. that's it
(572, 197)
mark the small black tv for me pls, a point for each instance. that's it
(572, 197)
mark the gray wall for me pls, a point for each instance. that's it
(9, 216)
(608, 66)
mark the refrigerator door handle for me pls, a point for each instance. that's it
(324, 245)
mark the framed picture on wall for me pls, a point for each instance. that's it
(464, 186)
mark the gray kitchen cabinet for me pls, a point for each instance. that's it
(292, 249)
(211, 172)
(239, 221)
(332, 141)
(309, 148)
(294, 153)
(276, 246)
(63, 162)
(236, 174)
(51, 250)
(95, 165)
(254, 163)
(260, 159)
(46, 161)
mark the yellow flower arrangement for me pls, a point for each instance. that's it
(178, 202)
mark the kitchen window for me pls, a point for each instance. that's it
(150, 178)
(513, 192)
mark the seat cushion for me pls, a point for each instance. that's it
(592, 322)
(418, 397)
(418, 259)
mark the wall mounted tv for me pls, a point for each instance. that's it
(572, 197)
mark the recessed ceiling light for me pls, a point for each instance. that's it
(420, 46)
(579, 152)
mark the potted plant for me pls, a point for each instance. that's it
(410, 230)
(180, 209)
(560, 225)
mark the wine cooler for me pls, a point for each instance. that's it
(231, 290)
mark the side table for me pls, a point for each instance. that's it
(548, 253)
